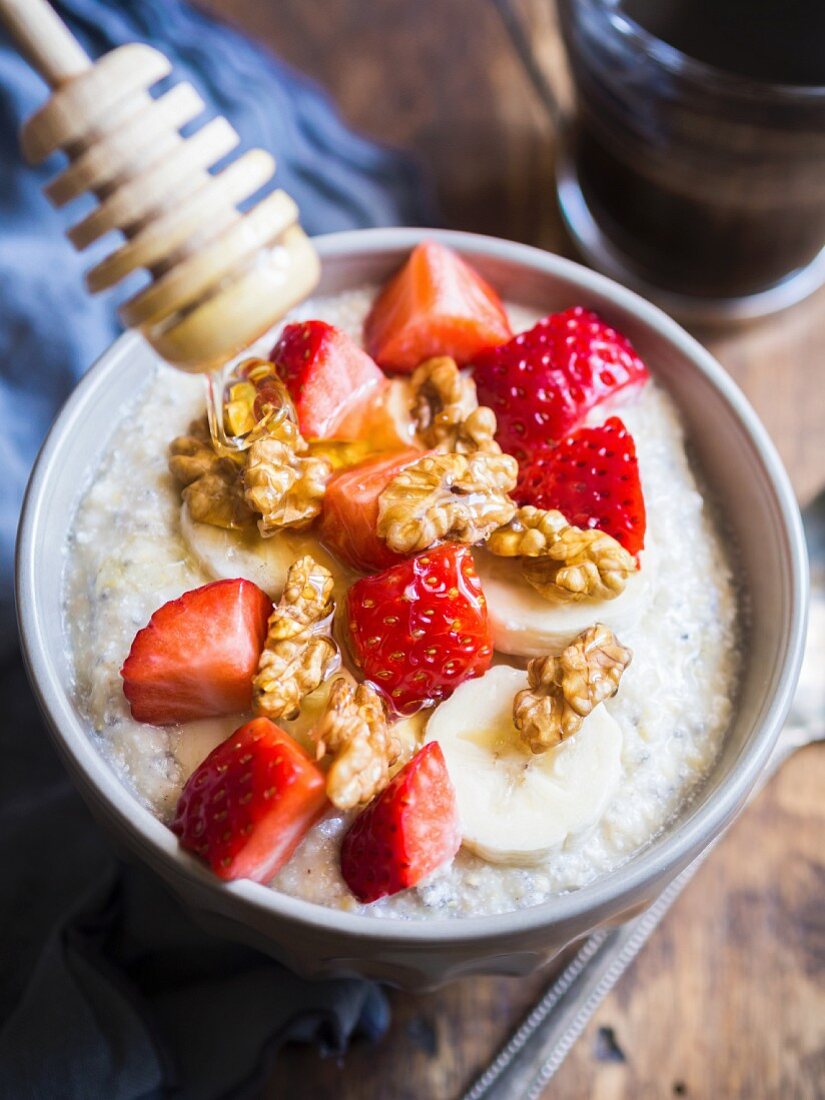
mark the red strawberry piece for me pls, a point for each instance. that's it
(420, 629)
(326, 373)
(408, 831)
(247, 806)
(435, 305)
(198, 654)
(350, 513)
(592, 476)
(544, 382)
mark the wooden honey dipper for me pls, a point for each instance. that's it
(220, 278)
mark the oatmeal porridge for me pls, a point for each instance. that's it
(469, 622)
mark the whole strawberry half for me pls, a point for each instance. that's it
(198, 654)
(543, 382)
(327, 375)
(247, 806)
(420, 629)
(592, 476)
(408, 831)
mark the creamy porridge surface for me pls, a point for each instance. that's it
(126, 556)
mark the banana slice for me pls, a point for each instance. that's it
(226, 554)
(193, 741)
(527, 625)
(516, 807)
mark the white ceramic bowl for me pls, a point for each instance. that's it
(738, 461)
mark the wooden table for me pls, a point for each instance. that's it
(727, 999)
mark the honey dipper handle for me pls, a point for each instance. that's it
(44, 39)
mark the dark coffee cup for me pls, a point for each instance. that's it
(693, 160)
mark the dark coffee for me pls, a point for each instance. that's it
(775, 41)
(708, 183)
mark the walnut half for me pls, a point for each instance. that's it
(564, 690)
(446, 496)
(563, 562)
(299, 653)
(211, 484)
(284, 484)
(355, 729)
(446, 411)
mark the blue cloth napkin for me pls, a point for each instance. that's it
(107, 989)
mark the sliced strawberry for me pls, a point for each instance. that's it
(350, 513)
(592, 476)
(544, 382)
(408, 831)
(198, 654)
(420, 628)
(435, 305)
(326, 373)
(247, 806)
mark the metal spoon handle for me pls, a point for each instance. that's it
(530, 1058)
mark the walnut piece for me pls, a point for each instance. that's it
(299, 653)
(283, 483)
(446, 411)
(442, 397)
(563, 562)
(211, 484)
(476, 433)
(446, 496)
(355, 729)
(564, 690)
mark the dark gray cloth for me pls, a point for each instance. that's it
(107, 988)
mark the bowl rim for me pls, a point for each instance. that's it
(674, 848)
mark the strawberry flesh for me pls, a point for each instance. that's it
(544, 382)
(435, 305)
(327, 375)
(420, 629)
(592, 477)
(247, 806)
(350, 512)
(198, 654)
(407, 832)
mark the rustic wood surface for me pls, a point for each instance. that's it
(727, 999)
